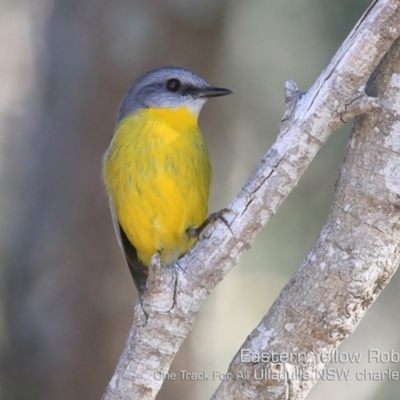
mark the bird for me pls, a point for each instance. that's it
(157, 170)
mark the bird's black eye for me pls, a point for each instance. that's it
(173, 85)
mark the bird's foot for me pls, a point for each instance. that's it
(195, 233)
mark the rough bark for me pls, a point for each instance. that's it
(358, 251)
(342, 275)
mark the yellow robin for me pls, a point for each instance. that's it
(157, 169)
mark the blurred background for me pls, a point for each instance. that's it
(66, 296)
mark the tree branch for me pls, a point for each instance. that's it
(358, 251)
(166, 313)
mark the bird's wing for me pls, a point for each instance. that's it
(138, 271)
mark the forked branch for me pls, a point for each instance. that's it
(167, 311)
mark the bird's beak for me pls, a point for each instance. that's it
(210, 92)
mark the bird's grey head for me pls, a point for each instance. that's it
(168, 87)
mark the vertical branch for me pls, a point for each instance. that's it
(357, 253)
(164, 317)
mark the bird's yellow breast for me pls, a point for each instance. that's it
(157, 172)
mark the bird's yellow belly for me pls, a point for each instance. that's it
(156, 217)
(157, 172)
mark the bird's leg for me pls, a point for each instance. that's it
(194, 233)
(155, 266)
